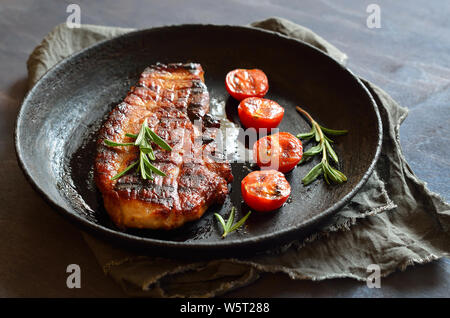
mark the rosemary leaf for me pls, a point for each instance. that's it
(142, 165)
(117, 144)
(340, 175)
(141, 134)
(308, 135)
(158, 140)
(325, 176)
(230, 219)
(317, 135)
(143, 140)
(305, 136)
(313, 151)
(117, 176)
(221, 220)
(228, 226)
(313, 174)
(331, 152)
(330, 174)
(152, 167)
(328, 139)
(146, 148)
(334, 132)
(240, 222)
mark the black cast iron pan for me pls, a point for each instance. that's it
(56, 126)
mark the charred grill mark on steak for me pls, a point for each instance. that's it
(171, 97)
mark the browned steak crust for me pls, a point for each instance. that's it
(171, 97)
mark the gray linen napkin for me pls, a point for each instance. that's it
(394, 221)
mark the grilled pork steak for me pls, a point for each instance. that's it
(171, 97)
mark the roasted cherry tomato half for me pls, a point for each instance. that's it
(265, 190)
(260, 112)
(242, 83)
(281, 151)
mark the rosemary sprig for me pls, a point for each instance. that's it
(228, 226)
(317, 131)
(143, 141)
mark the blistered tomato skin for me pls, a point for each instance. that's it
(281, 151)
(265, 190)
(243, 83)
(258, 113)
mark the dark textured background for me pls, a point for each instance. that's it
(408, 57)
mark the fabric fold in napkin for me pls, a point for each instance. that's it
(394, 221)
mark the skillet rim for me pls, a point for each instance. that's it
(258, 243)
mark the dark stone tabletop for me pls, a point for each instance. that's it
(408, 56)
